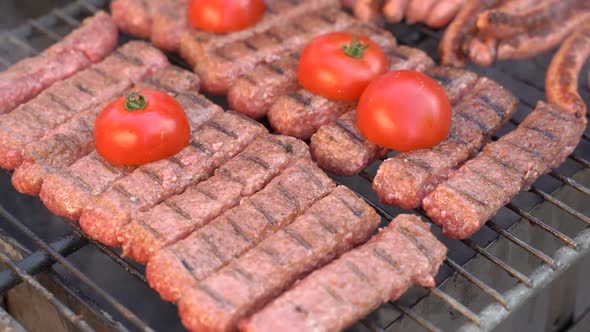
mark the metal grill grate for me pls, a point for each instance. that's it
(484, 279)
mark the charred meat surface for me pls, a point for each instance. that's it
(178, 267)
(240, 177)
(474, 193)
(71, 189)
(27, 78)
(329, 228)
(219, 139)
(74, 139)
(334, 297)
(407, 178)
(126, 66)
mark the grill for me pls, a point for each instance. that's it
(522, 270)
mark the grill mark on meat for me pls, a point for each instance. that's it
(60, 102)
(288, 147)
(408, 235)
(420, 164)
(265, 213)
(383, 256)
(334, 295)
(300, 99)
(256, 161)
(299, 308)
(355, 211)
(274, 68)
(177, 209)
(216, 296)
(201, 148)
(104, 74)
(466, 195)
(127, 58)
(502, 163)
(545, 133)
(482, 126)
(35, 115)
(497, 108)
(487, 179)
(79, 182)
(273, 254)
(286, 194)
(161, 86)
(358, 272)
(219, 53)
(355, 136)
(535, 153)
(250, 46)
(196, 99)
(238, 230)
(311, 176)
(327, 18)
(222, 129)
(240, 272)
(108, 166)
(65, 141)
(444, 80)
(122, 191)
(248, 77)
(298, 238)
(274, 36)
(227, 174)
(206, 193)
(176, 161)
(212, 247)
(84, 89)
(150, 229)
(324, 224)
(295, 25)
(152, 176)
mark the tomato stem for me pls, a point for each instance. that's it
(355, 49)
(135, 102)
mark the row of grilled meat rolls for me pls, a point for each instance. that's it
(484, 31)
(227, 224)
(265, 84)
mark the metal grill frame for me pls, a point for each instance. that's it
(501, 304)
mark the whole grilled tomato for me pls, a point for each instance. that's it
(223, 16)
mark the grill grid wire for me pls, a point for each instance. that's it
(42, 32)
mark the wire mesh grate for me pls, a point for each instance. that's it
(32, 37)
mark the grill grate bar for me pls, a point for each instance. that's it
(52, 35)
(581, 160)
(418, 319)
(88, 6)
(463, 310)
(66, 312)
(504, 266)
(480, 284)
(74, 271)
(117, 258)
(16, 40)
(531, 250)
(561, 205)
(537, 222)
(371, 325)
(72, 22)
(571, 182)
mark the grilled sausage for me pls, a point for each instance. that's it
(561, 82)
(542, 39)
(368, 10)
(394, 10)
(460, 29)
(482, 51)
(443, 12)
(417, 11)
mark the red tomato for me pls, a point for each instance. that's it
(404, 110)
(140, 128)
(222, 16)
(339, 66)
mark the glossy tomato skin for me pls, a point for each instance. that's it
(404, 110)
(223, 16)
(158, 131)
(325, 68)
